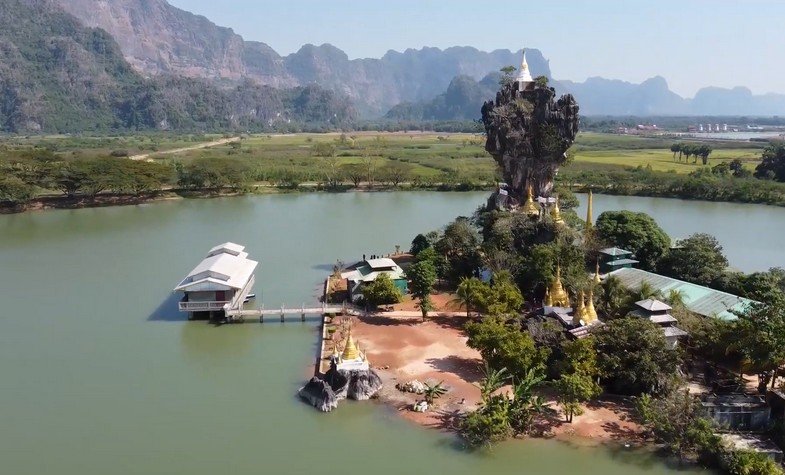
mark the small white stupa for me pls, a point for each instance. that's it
(524, 77)
(352, 358)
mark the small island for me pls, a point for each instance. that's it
(525, 320)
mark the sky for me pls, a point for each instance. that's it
(691, 43)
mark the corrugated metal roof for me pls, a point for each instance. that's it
(701, 300)
(615, 251)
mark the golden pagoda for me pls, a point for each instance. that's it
(529, 207)
(596, 278)
(547, 300)
(350, 351)
(556, 214)
(557, 294)
(589, 226)
(579, 312)
(590, 314)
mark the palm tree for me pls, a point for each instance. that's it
(675, 298)
(645, 291)
(493, 381)
(434, 391)
(469, 293)
(613, 297)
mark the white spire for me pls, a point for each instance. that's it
(524, 76)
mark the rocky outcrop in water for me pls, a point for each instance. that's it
(528, 134)
(336, 385)
(319, 394)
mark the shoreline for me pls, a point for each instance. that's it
(53, 202)
(406, 349)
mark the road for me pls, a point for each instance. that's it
(215, 143)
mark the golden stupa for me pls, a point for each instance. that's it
(590, 314)
(557, 294)
(596, 278)
(529, 207)
(556, 213)
(547, 300)
(579, 312)
(350, 351)
(589, 225)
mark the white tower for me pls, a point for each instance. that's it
(524, 76)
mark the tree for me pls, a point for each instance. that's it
(676, 421)
(772, 165)
(748, 462)
(676, 148)
(697, 259)
(434, 391)
(472, 293)
(633, 357)
(355, 172)
(419, 244)
(460, 245)
(704, 150)
(572, 390)
(381, 291)
(635, 232)
(324, 149)
(579, 373)
(422, 276)
(760, 338)
(504, 297)
(613, 297)
(505, 346)
(14, 190)
(396, 173)
(736, 166)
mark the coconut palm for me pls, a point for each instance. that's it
(434, 391)
(645, 291)
(613, 297)
(470, 293)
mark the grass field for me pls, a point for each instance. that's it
(430, 155)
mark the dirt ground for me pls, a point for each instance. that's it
(406, 349)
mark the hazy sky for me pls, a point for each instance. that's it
(691, 43)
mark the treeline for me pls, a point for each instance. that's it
(719, 183)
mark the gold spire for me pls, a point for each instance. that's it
(556, 214)
(597, 279)
(590, 312)
(529, 207)
(350, 351)
(557, 294)
(579, 312)
(589, 224)
(548, 301)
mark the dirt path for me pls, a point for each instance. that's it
(215, 143)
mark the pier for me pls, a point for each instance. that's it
(240, 315)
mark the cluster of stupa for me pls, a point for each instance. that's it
(532, 208)
(584, 311)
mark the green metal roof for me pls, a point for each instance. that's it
(701, 300)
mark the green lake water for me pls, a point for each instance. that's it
(100, 375)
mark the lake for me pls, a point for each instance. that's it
(101, 375)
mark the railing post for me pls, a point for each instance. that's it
(282, 307)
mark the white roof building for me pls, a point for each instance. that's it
(220, 282)
(226, 267)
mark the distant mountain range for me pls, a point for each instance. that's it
(159, 38)
(111, 64)
(57, 75)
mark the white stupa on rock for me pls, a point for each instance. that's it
(524, 76)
